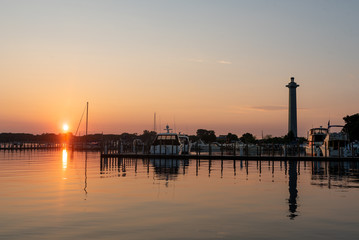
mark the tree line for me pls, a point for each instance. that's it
(351, 127)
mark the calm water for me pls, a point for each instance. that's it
(61, 195)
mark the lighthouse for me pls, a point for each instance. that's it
(292, 107)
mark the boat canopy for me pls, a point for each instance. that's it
(167, 139)
(320, 130)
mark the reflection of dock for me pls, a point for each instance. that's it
(339, 174)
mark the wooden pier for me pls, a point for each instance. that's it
(79, 146)
(226, 157)
(271, 152)
(30, 146)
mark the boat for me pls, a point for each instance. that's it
(84, 144)
(168, 143)
(240, 148)
(186, 143)
(247, 149)
(316, 138)
(355, 148)
(201, 146)
(336, 143)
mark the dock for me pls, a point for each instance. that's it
(30, 146)
(115, 149)
(225, 157)
(47, 146)
(268, 152)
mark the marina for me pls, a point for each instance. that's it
(179, 120)
(119, 149)
(115, 149)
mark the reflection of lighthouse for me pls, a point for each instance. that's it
(292, 108)
(293, 192)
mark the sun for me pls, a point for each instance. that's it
(65, 127)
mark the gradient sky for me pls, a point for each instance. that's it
(220, 65)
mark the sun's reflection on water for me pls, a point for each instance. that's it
(215, 195)
(64, 159)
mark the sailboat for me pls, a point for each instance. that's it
(86, 145)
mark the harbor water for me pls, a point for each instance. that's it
(62, 194)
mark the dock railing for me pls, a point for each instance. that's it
(122, 149)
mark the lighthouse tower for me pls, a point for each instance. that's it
(292, 108)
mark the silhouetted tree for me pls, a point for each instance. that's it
(148, 136)
(231, 138)
(128, 137)
(270, 140)
(269, 136)
(301, 140)
(206, 135)
(247, 138)
(352, 126)
(290, 137)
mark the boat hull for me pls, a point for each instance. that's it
(166, 149)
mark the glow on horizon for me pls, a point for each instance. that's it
(199, 64)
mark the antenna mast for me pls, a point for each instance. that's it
(154, 122)
(174, 122)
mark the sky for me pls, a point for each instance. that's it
(218, 65)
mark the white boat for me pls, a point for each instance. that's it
(167, 144)
(247, 149)
(206, 147)
(186, 143)
(316, 138)
(336, 143)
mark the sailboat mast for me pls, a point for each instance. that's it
(87, 117)
(154, 122)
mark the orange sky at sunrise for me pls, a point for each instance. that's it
(215, 65)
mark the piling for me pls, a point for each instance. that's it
(221, 149)
(312, 148)
(325, 148)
